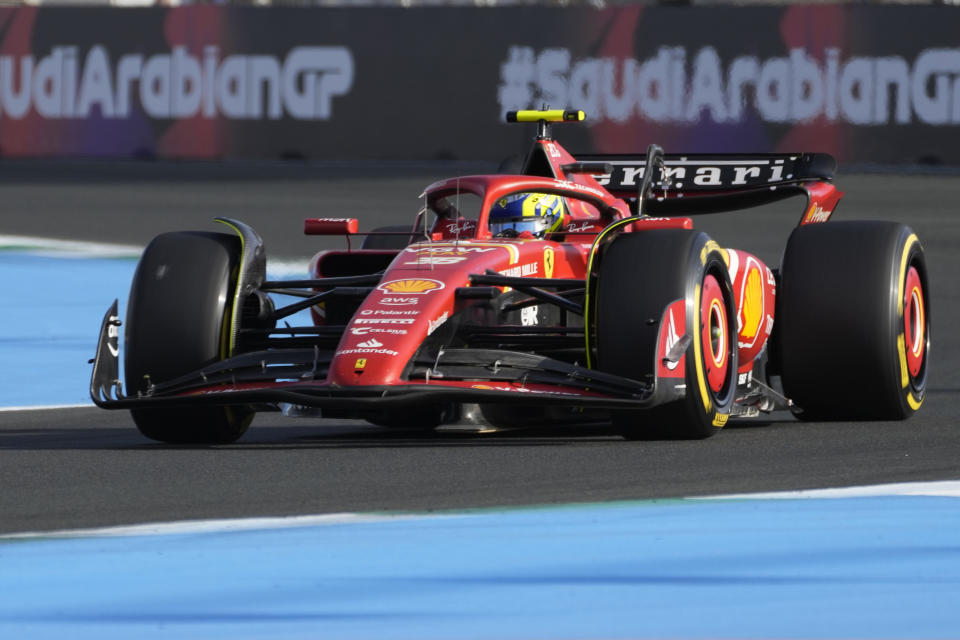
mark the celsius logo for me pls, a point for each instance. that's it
(66, 84)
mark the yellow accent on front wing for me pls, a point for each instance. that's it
(235, 307)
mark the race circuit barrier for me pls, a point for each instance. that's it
(393, 83)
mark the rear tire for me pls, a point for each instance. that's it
(853, 321)
(177, 322)
(640, 275)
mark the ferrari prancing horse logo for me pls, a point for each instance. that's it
(548, 262)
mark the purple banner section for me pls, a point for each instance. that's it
(392, 83)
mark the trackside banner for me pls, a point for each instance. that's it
(385, 83)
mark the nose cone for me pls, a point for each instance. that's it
(415, 297)
(388, 329)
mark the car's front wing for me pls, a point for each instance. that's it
(298, 376)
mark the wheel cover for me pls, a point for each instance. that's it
(713, 323)
(915, 322)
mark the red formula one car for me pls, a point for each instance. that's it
(576, 291)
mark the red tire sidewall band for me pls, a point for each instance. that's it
(713, 314)
(915, 322)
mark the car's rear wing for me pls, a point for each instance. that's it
(705, 173)
(707, 183)
(685, 184)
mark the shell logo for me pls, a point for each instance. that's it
(751, 309)
(411, 286)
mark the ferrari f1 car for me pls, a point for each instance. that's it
(575, 291)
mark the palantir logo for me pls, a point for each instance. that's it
(66, 85)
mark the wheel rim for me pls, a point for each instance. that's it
(713, 322)
(914, 323)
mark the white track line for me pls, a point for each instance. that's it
(48, 407)
(213, 526)
(948, 488)
(68, 248)
(49, 247)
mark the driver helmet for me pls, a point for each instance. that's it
(536, 213)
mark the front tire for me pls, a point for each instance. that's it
(853, 321)
(178, 321)
(640, 275)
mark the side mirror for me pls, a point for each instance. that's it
(330, 226)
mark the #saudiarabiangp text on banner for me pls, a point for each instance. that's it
(66, 85)
(676, 87)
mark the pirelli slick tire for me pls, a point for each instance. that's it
(639, 276)
(178, 321)
(853, 321)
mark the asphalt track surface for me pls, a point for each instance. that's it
(83, 467)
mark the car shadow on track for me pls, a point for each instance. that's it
(289, 437)
(91, 429)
